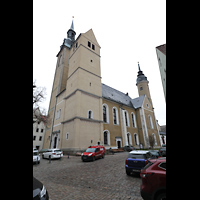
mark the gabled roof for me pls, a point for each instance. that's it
(120, 97)
(138, 102)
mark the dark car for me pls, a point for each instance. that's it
(129, 148)
(155, 154)
(162, 151)
(39, 191)
(136, 161)
(153, 176)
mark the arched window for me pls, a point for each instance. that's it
(105, 113)
(136, 139)
(126, 118)
(106, 135)
(90, 114)
(133, 120)
(129, 139)
(150, 121)
(115, 116)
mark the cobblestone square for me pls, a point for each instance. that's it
(102, 179)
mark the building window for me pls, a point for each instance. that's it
(90, 114)
(93, 47)
(115, 116)
(136, 139)
(37, 129)
(106, 135)
(76, 44)
(67, 136)
(150, 121)
(89, 44)
(41, 130)
(129, 139)
(105, 114)
(34, 137)
(40, 138)
(126, 118)
(141, 88)
(133, 120)
(58, 114)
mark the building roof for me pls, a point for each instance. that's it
(120, 97)
(137, 102)
(162, 48)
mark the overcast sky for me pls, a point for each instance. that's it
(127, 31)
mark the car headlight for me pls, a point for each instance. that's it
(90, 154)
(82, 154)
(43, 192)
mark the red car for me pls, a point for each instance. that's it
(153, 176)
(93, 152)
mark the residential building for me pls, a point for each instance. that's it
(161, 55)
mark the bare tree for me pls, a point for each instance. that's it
(151, 141)
(39, 114)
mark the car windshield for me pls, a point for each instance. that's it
(135, 156)
(57, 150)
(35, 153)
(90, 150)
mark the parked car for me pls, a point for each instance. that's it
(162, 151)
(93, 152)
(53, 153)
(136, 160)
(36, 156)
(155, 154)
(154, 180)
(129, 148)
(39, 191)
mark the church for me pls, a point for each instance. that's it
(83, 111)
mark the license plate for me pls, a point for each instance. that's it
(136, 170)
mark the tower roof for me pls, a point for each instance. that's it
(72, 25)
(140, 76)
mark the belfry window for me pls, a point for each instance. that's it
(89, 44)
(93, 47)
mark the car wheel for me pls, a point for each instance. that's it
(93, 159)
(128, 173)
(161, 196)
(103, 155)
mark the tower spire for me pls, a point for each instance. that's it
(139, 67)
(72, 25)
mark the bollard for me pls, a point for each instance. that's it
(68, 155)
(49, 158)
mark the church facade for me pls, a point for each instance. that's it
(83, 111)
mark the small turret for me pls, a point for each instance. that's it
(142, 84)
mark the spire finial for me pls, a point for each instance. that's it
(139, 67)
(72, 25)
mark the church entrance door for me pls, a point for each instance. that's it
(119, 144)
(55, 142)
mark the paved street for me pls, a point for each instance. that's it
(102, 179)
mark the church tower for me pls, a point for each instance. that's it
(143, 85)
(75, 110)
